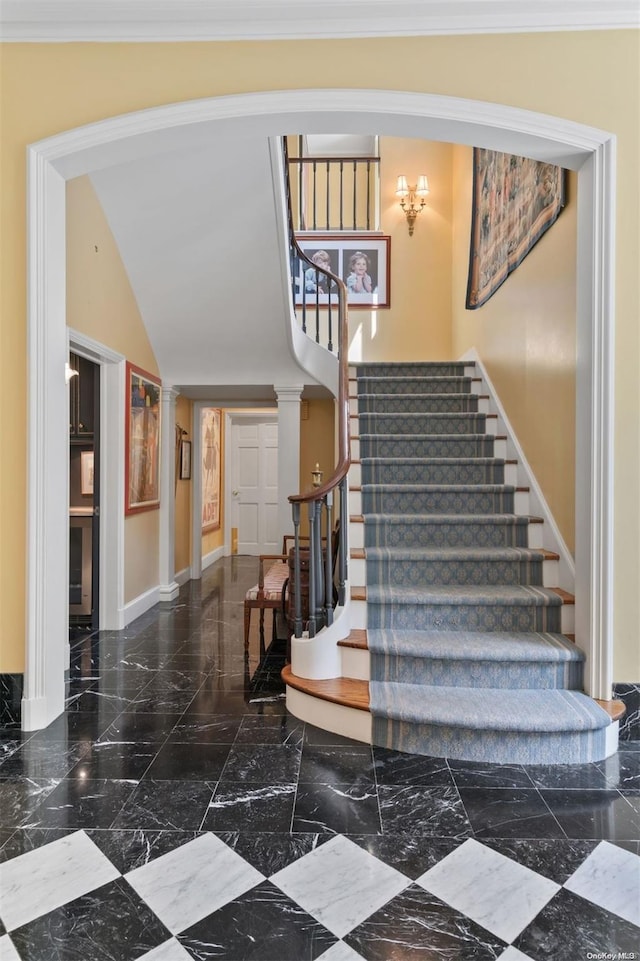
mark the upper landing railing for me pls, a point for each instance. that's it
(319, 294)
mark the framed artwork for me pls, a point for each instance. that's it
(362, 261)
(185, 460)
(515, 201)
(142, 464)
(86, 472)
(210, 419)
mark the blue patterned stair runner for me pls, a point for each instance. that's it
(467, 658)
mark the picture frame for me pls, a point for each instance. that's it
(361, 260)
(86, 472)
(185, 460)
(515, 201)
(210, 425)
(142, 461)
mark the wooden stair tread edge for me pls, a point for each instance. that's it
(357, 639)
(347, 691)
(565, 596)
(615, 709)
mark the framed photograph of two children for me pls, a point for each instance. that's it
(362, 261)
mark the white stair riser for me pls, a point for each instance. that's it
(511, 474)
(521, 502)
(358, 615)
(337, 718)
(356, 535)
(355, 475)
(535, 536)
(355, 663)
(355, 502)
(568, 619)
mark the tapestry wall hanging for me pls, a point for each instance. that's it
(142, 464)
(210, 419)
(515, 200)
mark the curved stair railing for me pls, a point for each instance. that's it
(327, 566)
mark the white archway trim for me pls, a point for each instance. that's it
(454, 120)
(173, 20)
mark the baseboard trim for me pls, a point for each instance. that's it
(183, 576)
(212, 557)
(140, 605)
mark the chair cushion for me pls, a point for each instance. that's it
(273, 581)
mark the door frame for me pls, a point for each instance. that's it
(234, 418)
(403, 113)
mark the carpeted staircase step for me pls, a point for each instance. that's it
(437, 498)
(414, 567)
(418, 403)
(495, 659)
(414, 385)
(476, 608)
(410, 368)
(445, 530)
(432, 470)
(506, 726)
(429, 423)
(425, 445)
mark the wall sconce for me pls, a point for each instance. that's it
(316, 476)
(409, 198)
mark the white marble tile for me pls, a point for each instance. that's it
(7, 950)
(610, 878)
(192, 881)
(491, 889)
(512, 954)
(169, 951)
(48, 877)
(340, 884)
(340, 952)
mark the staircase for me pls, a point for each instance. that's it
(466, 646)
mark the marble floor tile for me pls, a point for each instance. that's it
(323, 883)
(193, 881)
(203, 729)
(495, 892)
(394, 767)
(337, 765)
(110, 922)
(555, 859)
(569, 777)
(622, 770)
(278, 763)
(340, 952)
(283, 729)
(261, 925)
(508, 813)
(568, 923)
(471, 774)
(126, 761)
(7, 949)
(171, 950)
(80, 803)
(39, 881)
(270, 853)
(595, 814)
(166, 805)
(337, 809)
(132, 849)
(252, 807)
(512, 954)
(411, 854)
(434, 811)
(139, 727)
(39, 760)
(416, 926)
(75, 726)
(20, 798)
(610, 878)
(23, 840)
(176, 761)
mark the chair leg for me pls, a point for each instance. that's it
(247, 624)
(262, 647)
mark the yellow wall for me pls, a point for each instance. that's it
(317, 443)
(526, 337)
(182, 551)
(101, 304)
(588, 77)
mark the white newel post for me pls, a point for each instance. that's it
(288, 451)
(168, 587)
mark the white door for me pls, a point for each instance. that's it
(255, 486)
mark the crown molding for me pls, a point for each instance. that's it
(42, 21)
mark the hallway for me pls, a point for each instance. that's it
(176, 811)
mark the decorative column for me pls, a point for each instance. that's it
(288, 451)
(168, 586)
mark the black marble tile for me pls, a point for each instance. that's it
(21, 797)
(596, 814)
(570, 927)
(11, 686)
(81, 803)
(411, 854)
(396, 767)
(629, 694)
(166, 806)
(75, 726)
(110, 924)
(569, 777)
(204, 729)
(269, 853)
(622, 770)
(43, 760)
(22, 840)
(251, 807)
(261, 925)
(173, 680)
(554, 859)
(130, 849)
(471, 774)
(277, 763)
(337, 809)
(433, 811)
(270, 729)
(140, 727)
(162, 702)
(337, 765)
(102, 703)
(417, 925)
(193, 762)
(315, 735)
(114, 761)
(509, 813)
